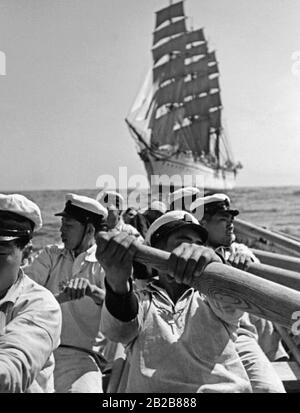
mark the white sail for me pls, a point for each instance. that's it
(142, 109)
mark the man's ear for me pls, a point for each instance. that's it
(203, 223)
(90, 229)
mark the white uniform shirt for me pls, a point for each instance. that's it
(55, 266)
(30, 325)
(186, 347)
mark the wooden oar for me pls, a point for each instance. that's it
(282, 244)
(247, 292)
(287, 278)
(278, 260)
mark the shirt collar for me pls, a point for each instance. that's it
(154, 287)
(90, 254)
(14, 291)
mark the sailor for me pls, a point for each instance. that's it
(182, 198)
(177, 340)
(129, 214)
(215, 214)
(30, 317)
(72, 273)
(156, 210)
(217, 217)
(114, 202)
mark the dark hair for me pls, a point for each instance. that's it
(117, 200)
(152, 215)
(99, 224)
(130, 209)
(140, 223)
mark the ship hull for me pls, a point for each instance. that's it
(187, 172)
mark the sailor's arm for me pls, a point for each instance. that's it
(241, 256)
(119, 317)
(28, 340)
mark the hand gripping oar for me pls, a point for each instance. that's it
(245, 291)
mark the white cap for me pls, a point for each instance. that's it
(107, 198)
(172, 217)
(22, 206)
(214, 203)
(83, 206)
(158, 206)
(183, 193)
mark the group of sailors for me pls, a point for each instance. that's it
(86, 301)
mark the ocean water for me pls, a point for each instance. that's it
(276, 208)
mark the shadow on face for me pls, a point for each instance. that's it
(113, 216)
(71, 232)
(10, 262)
(128, 215)
(178, 237)
(220, 229)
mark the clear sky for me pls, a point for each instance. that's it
(74, 67)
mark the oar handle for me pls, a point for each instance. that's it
(247, 292)
(287, 278)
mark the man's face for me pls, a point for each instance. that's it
(220, 229)
(176, 238)
(129, 214)
(113, 216)
(184, 234)
(71, 232)
(10, 261)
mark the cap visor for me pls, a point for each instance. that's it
(2, 238)
(234, 212)
(61, 214)
(226, 212)
(179, 225)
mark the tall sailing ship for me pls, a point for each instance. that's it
(176, 117)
